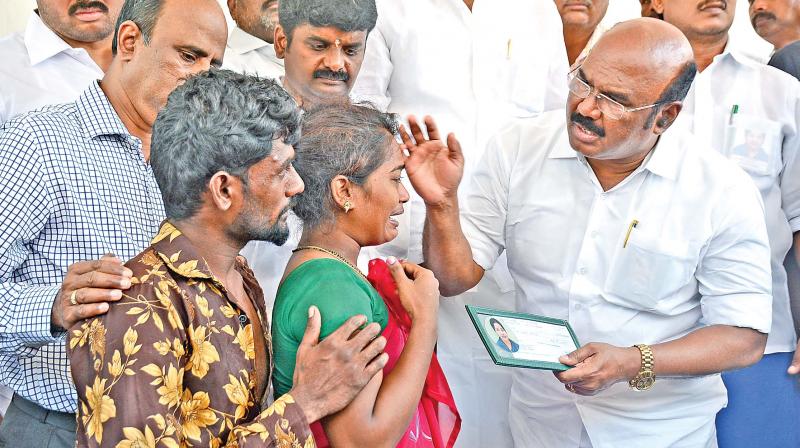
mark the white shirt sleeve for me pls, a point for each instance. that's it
(484, 209)
(790, 174)
(734, 276)
(372, 84)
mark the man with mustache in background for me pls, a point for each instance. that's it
(66, 45)
(322, 43)
(250, 46)
(734, 96)
(776, 21)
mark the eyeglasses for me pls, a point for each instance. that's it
(607, 106)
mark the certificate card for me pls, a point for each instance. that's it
(523, 340)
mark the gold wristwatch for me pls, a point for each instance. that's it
(647, 376)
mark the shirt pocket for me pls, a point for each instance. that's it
(649, 269)
(754, 143)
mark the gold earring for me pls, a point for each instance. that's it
(347, 206)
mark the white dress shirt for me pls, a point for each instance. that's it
(248, 54)
(39, 68)
(473, 71)
(698, 256)
(768, 103)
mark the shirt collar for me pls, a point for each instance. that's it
(242, 42)
(41, 42)
(664, 160)
(562, 149)
(180, 256)
(736, 55)
(97, 113)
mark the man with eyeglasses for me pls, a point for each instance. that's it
(651, 245)
(734, 97)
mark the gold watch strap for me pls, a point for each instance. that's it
(648, 360)
(646, 377)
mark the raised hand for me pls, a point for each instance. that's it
(434, 168)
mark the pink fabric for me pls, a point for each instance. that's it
(436, 422)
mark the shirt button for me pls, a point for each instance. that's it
(582, 271)
(577, 306)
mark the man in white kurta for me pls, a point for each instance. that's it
(625, 227)
(473, 66)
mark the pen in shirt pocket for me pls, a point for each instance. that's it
(632, 226)
(734, 111)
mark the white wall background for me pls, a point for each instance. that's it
(14, 16)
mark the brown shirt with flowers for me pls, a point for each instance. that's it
(175, 363)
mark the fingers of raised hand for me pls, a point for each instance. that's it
(416, 130)
(433, 130)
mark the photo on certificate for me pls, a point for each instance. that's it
(523, 340)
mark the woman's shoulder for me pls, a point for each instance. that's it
(333, 287)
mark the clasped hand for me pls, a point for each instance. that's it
(597, 366)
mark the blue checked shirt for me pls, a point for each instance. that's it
(75, 186)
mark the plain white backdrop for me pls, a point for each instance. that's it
(14, 16)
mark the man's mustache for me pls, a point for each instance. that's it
(587, 124)
(765, 14)
(77, 6)
(340, 75)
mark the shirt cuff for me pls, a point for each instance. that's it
(739, 310)
(795, 224)
(32, 321)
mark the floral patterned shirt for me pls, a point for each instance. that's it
(175, 363)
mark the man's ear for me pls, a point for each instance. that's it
(225, 190)
(667, 116)
(658, 6)
(281, 42)
(128, 38)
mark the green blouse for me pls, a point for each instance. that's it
(338, 292)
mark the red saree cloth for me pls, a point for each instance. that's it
(436, 422)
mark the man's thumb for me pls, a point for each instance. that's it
(311, 336)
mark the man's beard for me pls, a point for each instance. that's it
(248, 227)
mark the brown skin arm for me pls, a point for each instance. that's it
(380, 414)
(709, 350)
(447, 252)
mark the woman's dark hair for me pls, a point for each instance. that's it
(338, 139)
(493, 321)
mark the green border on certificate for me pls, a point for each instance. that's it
(523, 340)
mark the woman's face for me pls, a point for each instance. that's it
(381, 200)
(500, 331)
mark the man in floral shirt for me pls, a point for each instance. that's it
(184, 358)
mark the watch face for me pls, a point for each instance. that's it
(645, 380)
